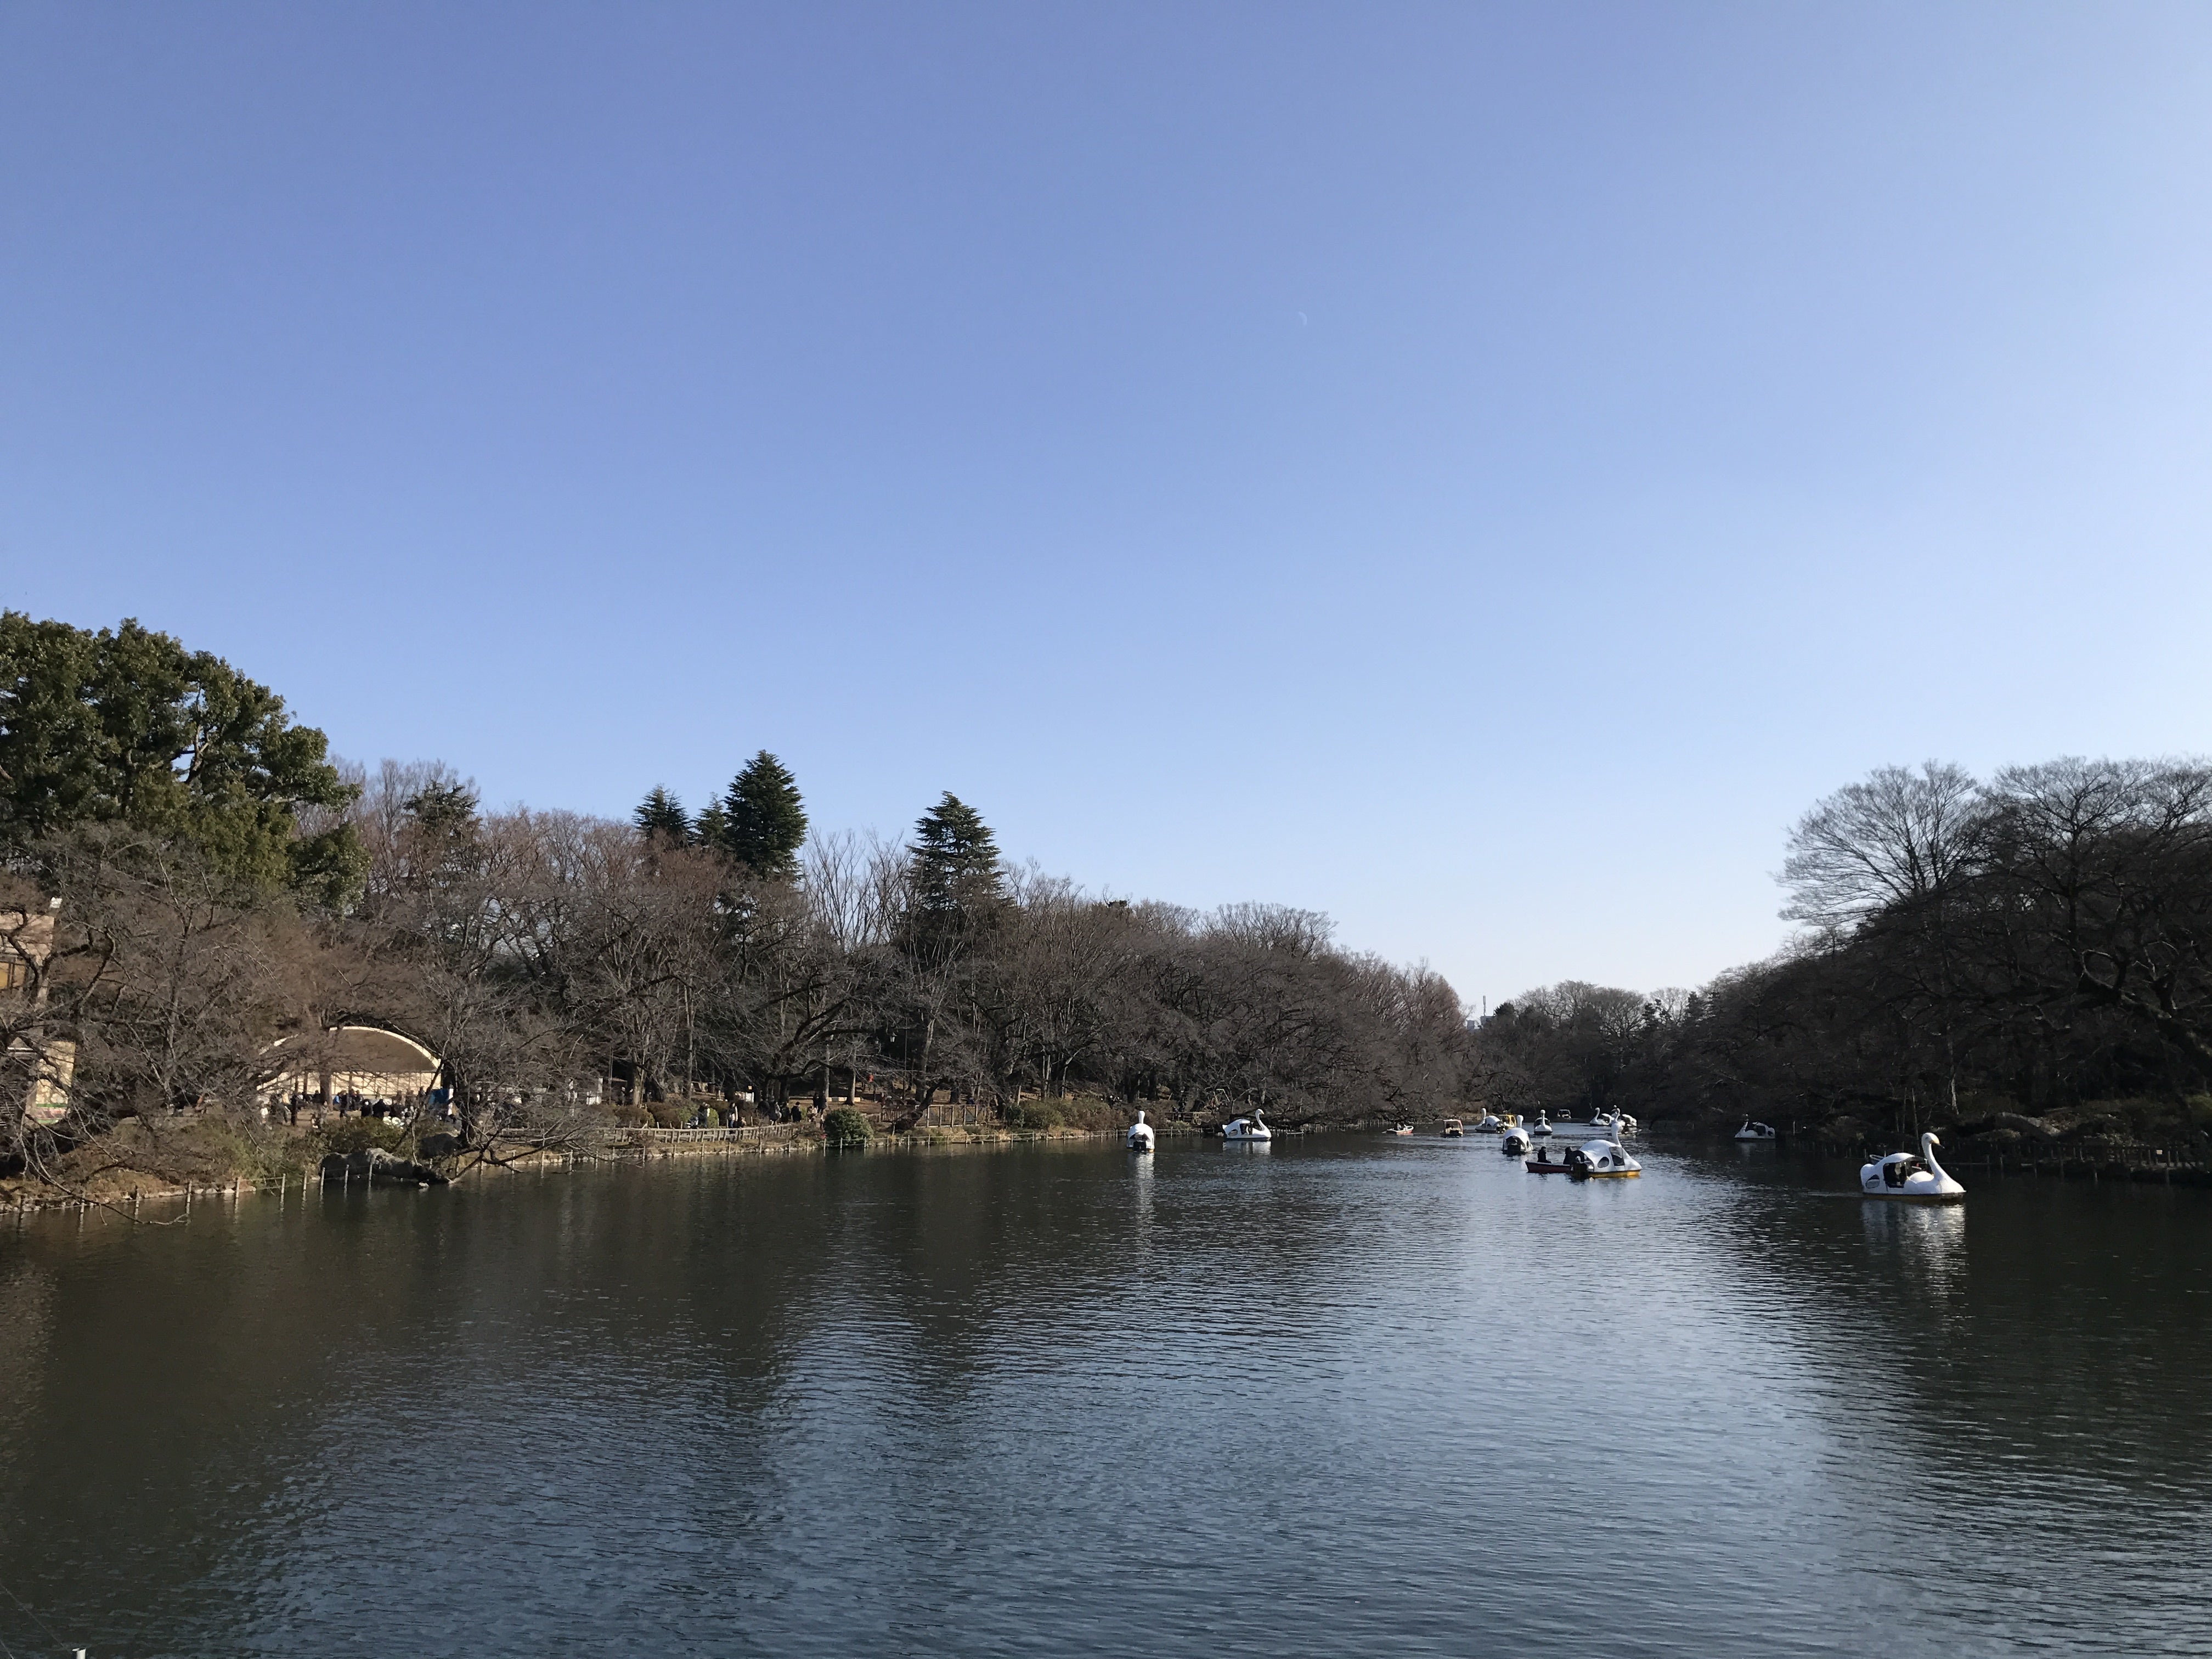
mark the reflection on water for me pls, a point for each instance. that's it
(1335, 1396)
(1926, 1243)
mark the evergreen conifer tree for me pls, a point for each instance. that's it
(712, 826)
(764, 822)
(661, 817)
(956, 859)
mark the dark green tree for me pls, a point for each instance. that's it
(446, 810)
(956, 861)
(443, 834)
(125, 726)
(661, 817)
(712, 826)
(764, 822)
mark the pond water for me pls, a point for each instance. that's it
(1341, 1396)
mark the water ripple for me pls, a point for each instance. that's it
(1343, 1398)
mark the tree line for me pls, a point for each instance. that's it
(1970, 949)
(224, 882)
(2012, 950)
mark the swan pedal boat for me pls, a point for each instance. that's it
(1246, 1129)
(1911, 1177)
(1141, 1135)
(1752, 1131)
(1400, 1129)
(1601, 1159)
(1514, 1141)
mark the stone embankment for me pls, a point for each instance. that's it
(373, 1166)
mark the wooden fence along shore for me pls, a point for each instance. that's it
(2152, 1165)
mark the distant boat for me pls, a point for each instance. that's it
(1915, 1177)
(1246, 1129)
(1543, 1129)
(1454, 1127)
(1141, 1135)
(1542, 1165)
(1489, 1124)
(1752, 1131)
(1514, 1142)
(1402, 1129)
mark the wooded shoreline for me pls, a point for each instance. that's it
(2125, 1162)
(208, 919)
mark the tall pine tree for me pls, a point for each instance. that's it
(661, 818)
(712, 826)
(763, 821)
(955, 859)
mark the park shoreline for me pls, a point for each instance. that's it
(123, 1186)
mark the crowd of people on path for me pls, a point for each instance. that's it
(436, 1107)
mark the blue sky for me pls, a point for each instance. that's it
(1479, 472)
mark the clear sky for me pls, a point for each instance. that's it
(1477, 470)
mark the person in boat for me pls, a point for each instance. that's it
(1543, 1155)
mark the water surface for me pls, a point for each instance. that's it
(1340, 1397)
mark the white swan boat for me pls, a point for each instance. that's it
(1755, 1131)
(1543, 1129)
(1916, 1177)
(1246, 1129)
(1141, 1135)
(1514, 1141)
(1400, 1129)
(1489, 1124)
(1603, 1158)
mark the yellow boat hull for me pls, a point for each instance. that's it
(1917, 1197)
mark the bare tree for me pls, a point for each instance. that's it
(2108, 864)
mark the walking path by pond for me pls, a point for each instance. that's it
(1342, 1396)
